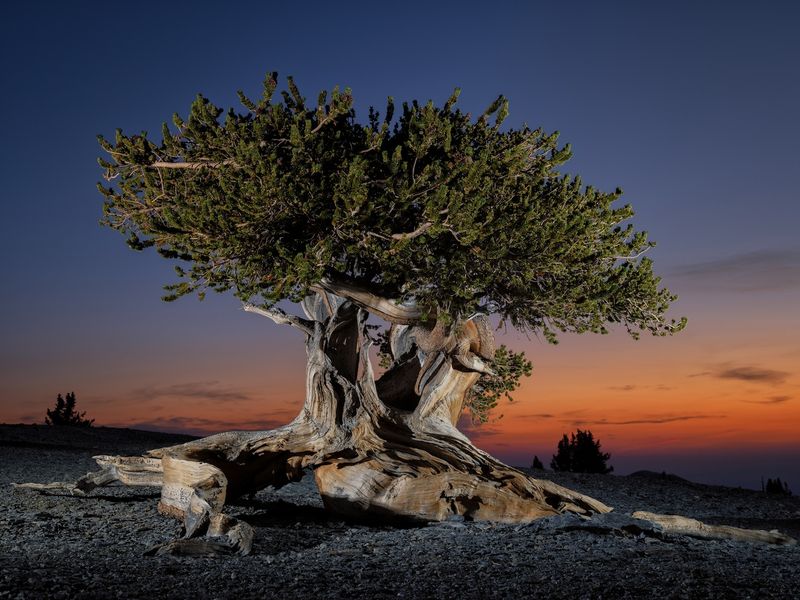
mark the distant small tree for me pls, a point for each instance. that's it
(776, 486)
(64, 413)
(580, 453)
(537, 464)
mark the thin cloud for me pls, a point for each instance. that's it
(763, 270)
(746, 373)
(630, 387)
(660, 420)
(535, 416)
(647, 420)
(770, 400)
(752, 374)
(201, 426)
(201, 390)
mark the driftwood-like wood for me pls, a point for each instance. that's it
(127, 470)
(694, 528)
(385, 449)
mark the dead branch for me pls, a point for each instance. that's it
(281, 318)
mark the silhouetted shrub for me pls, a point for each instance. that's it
(537, 464)
(64, 413)
(776, 486)
(580, 453)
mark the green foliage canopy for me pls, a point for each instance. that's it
(433, 206)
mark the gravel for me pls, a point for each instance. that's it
(92, 547)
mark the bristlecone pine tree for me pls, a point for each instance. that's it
(64, 413)
(430, 220)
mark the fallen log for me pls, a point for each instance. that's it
(679, 525)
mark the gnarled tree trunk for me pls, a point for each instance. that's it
(385, 448)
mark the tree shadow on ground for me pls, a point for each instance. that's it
(126, 497)
(287, 527)
(280, 513)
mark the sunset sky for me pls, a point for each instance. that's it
(691, 108)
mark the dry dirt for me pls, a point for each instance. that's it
(92, 547)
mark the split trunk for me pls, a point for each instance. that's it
(387, 448)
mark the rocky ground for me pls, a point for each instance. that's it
(71, 547)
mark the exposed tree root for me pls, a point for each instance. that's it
(684, 526)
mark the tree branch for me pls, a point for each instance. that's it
(192, 165)
(385, 308)
(412, 234)
(281, 318)
(322, 123)
(631, 256)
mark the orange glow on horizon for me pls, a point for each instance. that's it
(708, 389)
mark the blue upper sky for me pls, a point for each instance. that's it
(690, 107)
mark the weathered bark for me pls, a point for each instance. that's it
(684, 526)
(127, 470)
(385, 449)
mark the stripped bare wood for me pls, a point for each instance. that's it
(685, 526)
(385, 308)
(410, 235)
(126, 470)
(133, 470)
(280, 317)
(185, 480)
(193, 165)
(223, 536)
